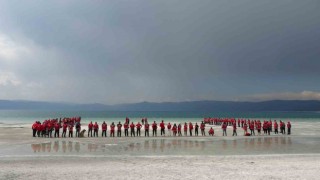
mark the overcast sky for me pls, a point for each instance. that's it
(120, 51)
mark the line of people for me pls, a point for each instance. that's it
(46, 128)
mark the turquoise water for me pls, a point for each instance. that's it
(15, 116)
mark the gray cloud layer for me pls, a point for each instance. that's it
(129, 51)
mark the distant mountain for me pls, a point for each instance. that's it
(212, 106)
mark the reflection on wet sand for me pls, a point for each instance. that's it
(205, 146)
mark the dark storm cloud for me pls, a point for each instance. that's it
(128, 51)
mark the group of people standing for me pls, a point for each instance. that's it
(46, 128)
(252, 125)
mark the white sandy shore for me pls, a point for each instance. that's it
(199, 167)
(18, 161)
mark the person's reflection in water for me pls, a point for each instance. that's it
(162, 145)
(49, 147)
(154, 145)
(138, 146)
(174, 144)
(64, 146)
(224, 144)
(77, 146)
(146, 145)
(70, 146)
(185, 144)
(168, 146)
(95, 147)
(234, 144)
(276, 140)
(191, 144)
(179, 144)
(283, 140)
(56, 146)
(197, 143)
(89, 147)
(202, 145)
(131, 146)
(289, 141)
(36, 147)
(103, 147)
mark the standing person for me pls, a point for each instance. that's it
(169, 128)
(259, 127)
(202, 128)
(162, 128)
(95, 129)
(138, 128)
(275, 126)
(49, 129)
(112, 126)
(245, 128)
(104, 129)
(235, 129)
(146, 129)
(185, 129)
(56, 130)
(269, 127)
(179, 130)
(78, 129)
(126, 129)
(34, 128)
(196, 128)
(90, 126)
(224, 129)
(70, 130)
(132, 129)
(64, 129)
(289, 127)
(211, 132)
(39, 129)
(190, 128)
(251, 127)
(119, 128)
(174, 129)
(154, 128)
(142, 121)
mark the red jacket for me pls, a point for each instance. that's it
(104, 126)
(162, 125)
(185, 127)
(132, 126)
(138, 126)
(169, 126)
(154, 126)
(146, 126)
(95, 126)
(90, 126)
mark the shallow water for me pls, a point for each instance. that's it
(183, 146)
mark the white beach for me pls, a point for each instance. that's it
(259, 157)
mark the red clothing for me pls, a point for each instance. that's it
(185, 127)
(174, 129)
(190, 126)
(224, 126)
(112, 127)
(211, 131)
(64, 127)
(146, 126)
(104, 127)
(202, 126)
(162, 125)
(169, 126)
(132, 126)
(57, 127)
(154, 126)
(90, 126)
(126, 126)
(138, 126)
(95, 126)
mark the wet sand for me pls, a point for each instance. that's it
(258, 157)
